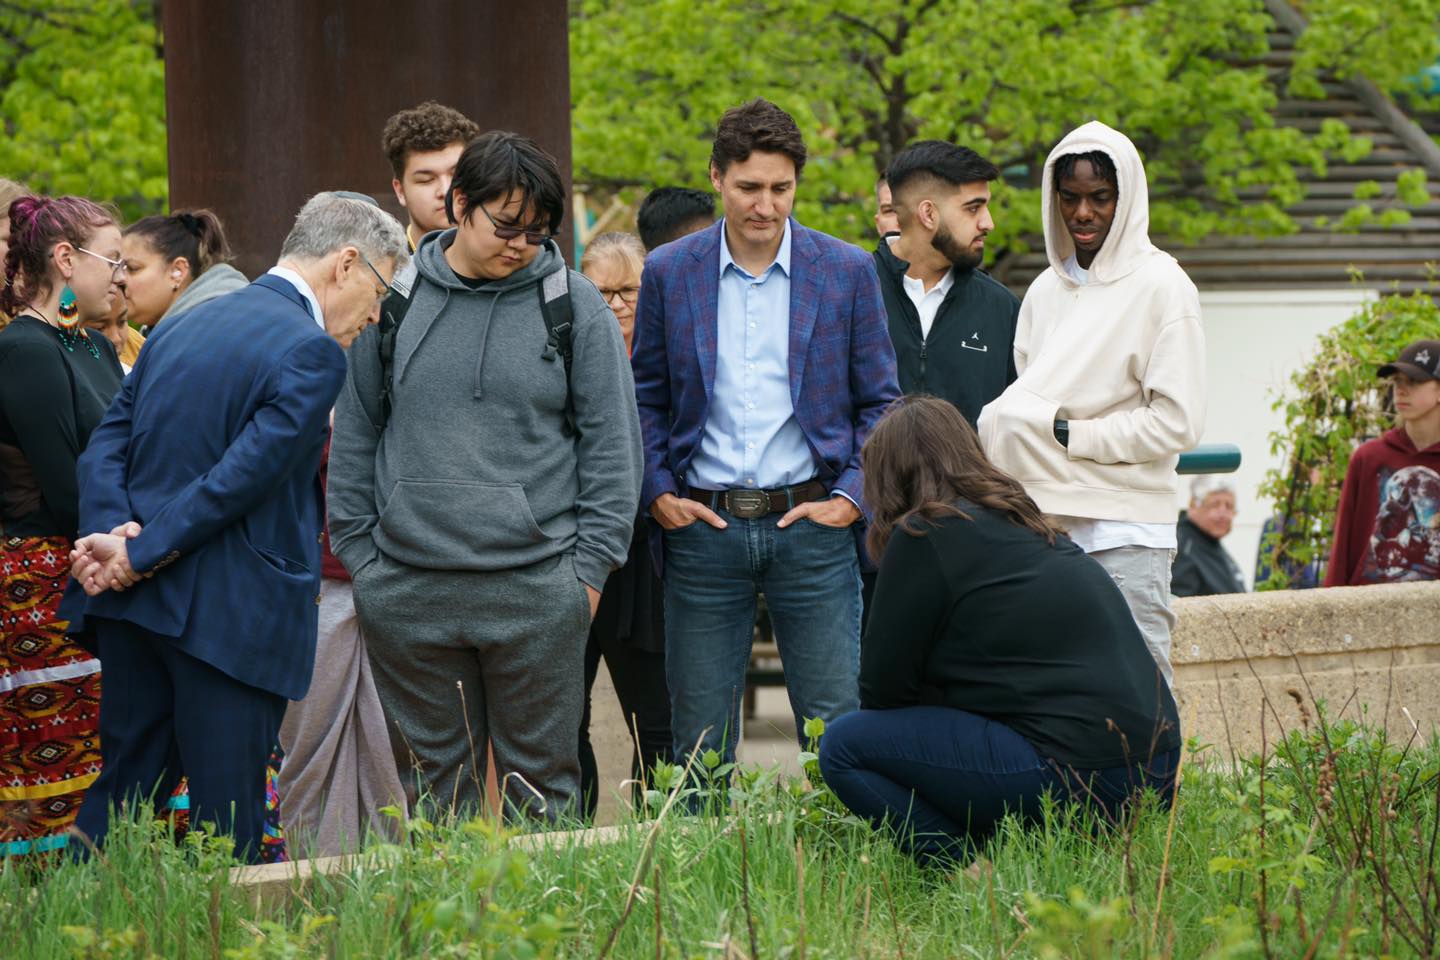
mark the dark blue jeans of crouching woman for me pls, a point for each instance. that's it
(943, 779)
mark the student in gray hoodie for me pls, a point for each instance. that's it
(481, 514)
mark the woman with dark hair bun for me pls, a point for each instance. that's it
(1000, 663)
(177, 262)
(63, 270)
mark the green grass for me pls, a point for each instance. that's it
(1258, 865)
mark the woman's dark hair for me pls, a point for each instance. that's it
(36, 225)
(195, 235)
(757, 125)
(499, 165)
(1103, 163)
(922, 457)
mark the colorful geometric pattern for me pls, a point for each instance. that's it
(272, 845)
(49, 700)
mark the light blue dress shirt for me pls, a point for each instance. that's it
(751, 436)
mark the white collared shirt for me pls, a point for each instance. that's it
(298, 282)
(927, 302)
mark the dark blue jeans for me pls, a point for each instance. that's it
(810, 575)
(943, 779)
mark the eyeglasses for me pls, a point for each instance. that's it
(384, 287)
(533, 237)
(628, 294)
(117, 267)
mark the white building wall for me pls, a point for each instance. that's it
(1254, 340)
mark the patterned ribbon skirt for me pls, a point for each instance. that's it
(50, 711)
(49, 700)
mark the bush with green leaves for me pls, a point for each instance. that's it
(1331, 406)
(83, 101)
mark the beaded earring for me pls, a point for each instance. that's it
(68, 315)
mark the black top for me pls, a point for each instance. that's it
(51, 399)
(969, 356)
(1202, 566)
(983, 615)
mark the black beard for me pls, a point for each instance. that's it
(963, 258)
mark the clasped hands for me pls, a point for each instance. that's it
(101, 561)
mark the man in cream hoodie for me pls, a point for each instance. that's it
(1111, 361)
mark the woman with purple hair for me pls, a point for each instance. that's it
(63, 270)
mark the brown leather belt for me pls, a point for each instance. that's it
(751, 504)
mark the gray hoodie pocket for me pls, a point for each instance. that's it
(457, 524)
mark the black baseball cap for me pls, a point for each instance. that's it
(1419, 361)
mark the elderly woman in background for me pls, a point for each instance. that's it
(176, 262)
(629, 625)
(63, 270)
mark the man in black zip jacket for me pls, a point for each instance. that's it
(952, 325)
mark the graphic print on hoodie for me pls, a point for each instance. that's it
(1121, 357)
(1388, 526)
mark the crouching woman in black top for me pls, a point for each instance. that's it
(1000, 662)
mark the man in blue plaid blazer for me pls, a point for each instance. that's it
(761, 362)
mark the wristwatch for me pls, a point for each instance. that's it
(1062, 432)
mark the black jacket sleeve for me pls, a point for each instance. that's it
(38, 400)
(907, 613)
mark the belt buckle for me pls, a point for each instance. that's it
(748, 504)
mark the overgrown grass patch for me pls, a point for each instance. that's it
(1324, 848)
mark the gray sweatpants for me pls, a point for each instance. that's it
(1143, 576)
(461, 656)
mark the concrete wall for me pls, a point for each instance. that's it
(1236, 655)
(1254, 340)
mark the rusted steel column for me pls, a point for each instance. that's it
(270, 101)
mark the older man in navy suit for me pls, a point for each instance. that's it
(200, 490)
(762, 360)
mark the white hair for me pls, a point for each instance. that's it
(332, 220)
(1206, 484)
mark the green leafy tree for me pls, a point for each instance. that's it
(84, 100)
(1386, 41)
(865, 77)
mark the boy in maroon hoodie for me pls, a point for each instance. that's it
(1388, 528)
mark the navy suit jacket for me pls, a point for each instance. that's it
(213, 446)
(842, 364)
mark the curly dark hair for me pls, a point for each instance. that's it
(430, 126)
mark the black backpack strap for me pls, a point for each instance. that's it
(392, 314)
(559, 327)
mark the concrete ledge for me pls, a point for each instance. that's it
(271, 883)
(1373, 650)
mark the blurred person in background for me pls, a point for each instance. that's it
(629, 625)
(1202, 565)
(62, 271)
(176, 262)
(669, 213)
(115, 327)
(887, 222)
(10, 191)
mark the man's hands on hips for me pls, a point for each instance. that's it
(673, 513)
(838, 511)
(101, 561)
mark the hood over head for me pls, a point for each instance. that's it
(1128, 243)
